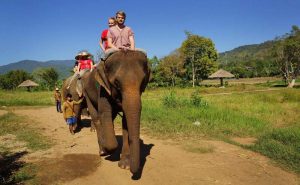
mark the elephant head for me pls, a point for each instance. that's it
(72, 90)
(124, 76)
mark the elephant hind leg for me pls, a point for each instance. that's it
(93, 128)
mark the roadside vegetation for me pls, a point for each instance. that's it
(24, 98)
(266, 111)
(47, 78)
(272, 116)
(18, 138)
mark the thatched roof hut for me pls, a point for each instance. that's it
(28, 84)
(221, 73)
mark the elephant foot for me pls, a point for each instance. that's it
(92, 129)
(124, 163)
(103, 153)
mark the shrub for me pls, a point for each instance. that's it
(196, 100)
(170, 100)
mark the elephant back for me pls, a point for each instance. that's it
(127, 56)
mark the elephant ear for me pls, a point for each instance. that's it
(147, 78)
(101, 77)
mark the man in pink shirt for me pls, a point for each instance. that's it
(120, 36)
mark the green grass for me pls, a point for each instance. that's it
(282, 145)
(16, 171)
(174, 114)
(192, 113)
(20, 172)
(157, 93)
(24, 98)
(26, 174)
(271, 116)
(18, 126)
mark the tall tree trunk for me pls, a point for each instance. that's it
(173, 81)
(292, 83)
(193, 71)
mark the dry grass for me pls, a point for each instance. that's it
(242, 81)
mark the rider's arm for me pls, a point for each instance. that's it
(110, 44)
(92, 65)
(132, 44)
(101, 44)
(78, 67)
(102, 39)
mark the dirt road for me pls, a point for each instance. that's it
(74, 160)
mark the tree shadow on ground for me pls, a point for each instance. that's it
(297, 86)
(144, 149)
(279, 85)
(10, 165)
(283, 85)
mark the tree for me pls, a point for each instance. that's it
(155, 78)
(13, 78)
(154, 61)
(48, 76)
(287, 56)
(200, 56)
(171, 67)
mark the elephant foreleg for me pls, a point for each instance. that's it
(93, 112)
(105, 113)
(124, 162)
(100, 137)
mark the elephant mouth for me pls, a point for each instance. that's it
(116, 97)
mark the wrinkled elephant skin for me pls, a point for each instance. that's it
(122, 78)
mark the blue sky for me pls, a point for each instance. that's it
(57, 29)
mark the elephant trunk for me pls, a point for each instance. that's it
(132, 109)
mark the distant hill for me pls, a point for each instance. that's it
(248, 52)
(63, 67)
(244, 61)
(250, 60)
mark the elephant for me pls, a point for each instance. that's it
(120, 80)
(78, 108)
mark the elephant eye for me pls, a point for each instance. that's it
(117, 85)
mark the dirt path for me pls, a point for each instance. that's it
(74, 160)
(2, 112)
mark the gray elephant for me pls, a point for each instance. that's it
(78, 108)
(122, 78)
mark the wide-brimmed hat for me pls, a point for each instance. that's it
(81, 54)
